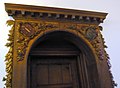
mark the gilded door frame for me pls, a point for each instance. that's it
(22, 44)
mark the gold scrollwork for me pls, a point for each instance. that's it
(90, 32)
(27, 32)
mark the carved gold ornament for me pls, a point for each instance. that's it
(28, 30)
(31, 22)
(9, 56)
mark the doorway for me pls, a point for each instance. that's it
(56, 62)
(54, 72)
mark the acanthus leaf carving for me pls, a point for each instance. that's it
(27, 32)
(10, 22)
(92, 34)
(72, 27)
(33, 29)
(107, 58)
(89, 32)
(9, 55)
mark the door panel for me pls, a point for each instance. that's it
(42, 74)
(53, 72)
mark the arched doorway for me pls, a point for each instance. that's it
(61, 60)
(56, 47)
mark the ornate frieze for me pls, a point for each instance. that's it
(89, 32)
(28, 30)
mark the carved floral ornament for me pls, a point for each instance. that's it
(28, 30)
(9, 55)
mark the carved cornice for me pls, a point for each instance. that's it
(17, 11)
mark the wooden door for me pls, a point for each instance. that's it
(53, 72)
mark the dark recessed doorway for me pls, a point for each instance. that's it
(56, 61)
(54, 72)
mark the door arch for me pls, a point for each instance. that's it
(53, 44)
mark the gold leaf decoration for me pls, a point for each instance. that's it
(9, 56)
(10, 22)
(27, 32)
(90, 32)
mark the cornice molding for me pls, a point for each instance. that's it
(52, 12)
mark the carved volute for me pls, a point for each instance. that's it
(32, 22)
